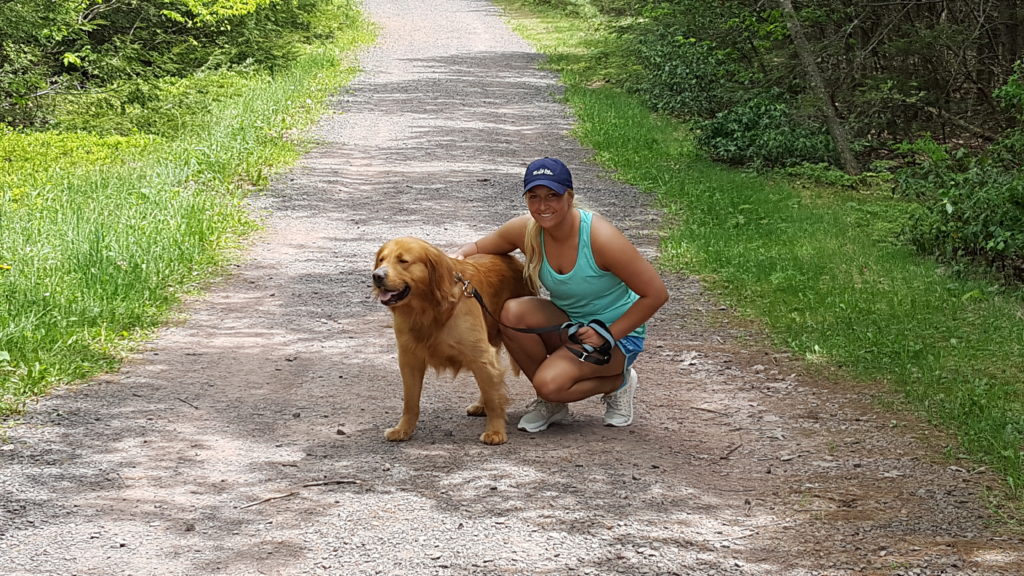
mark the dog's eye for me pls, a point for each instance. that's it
(403, 261)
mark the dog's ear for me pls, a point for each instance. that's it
(442, 276)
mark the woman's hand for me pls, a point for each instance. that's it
(467, 249)
(590, 337)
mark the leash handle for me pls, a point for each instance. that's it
(599, 355)
(597, 326)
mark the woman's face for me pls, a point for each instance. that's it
(546, 206)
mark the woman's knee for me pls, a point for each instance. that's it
(515, 311)
(550, 386)
(529, 311)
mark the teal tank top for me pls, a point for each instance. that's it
(587, 292)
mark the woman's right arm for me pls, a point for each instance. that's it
(505, 239)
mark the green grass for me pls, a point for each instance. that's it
(817, 267)
(101, 236)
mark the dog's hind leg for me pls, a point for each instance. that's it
(490, 377)
(413, 370)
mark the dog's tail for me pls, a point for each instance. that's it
(513, 365)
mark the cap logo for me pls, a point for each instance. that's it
(543, 171)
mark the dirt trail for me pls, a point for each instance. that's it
(248, 439)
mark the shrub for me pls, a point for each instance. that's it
(618, 7)
(119, 52)
(764, 132)
(28, 56)
(1010, 148)
(679, 75)
(972, 208)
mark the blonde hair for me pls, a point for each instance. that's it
(532, 249)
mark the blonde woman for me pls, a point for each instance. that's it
(596, 279)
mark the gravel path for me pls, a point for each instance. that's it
(248, 439)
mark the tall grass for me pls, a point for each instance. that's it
(819, 268)
(100, 236)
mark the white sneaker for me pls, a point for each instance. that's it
(540, 414)
(618, 409)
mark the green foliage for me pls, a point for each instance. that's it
(876, 180)
(33, 161)
(162, 107)
(1012, 94)
(681, 76)
(1009, 150)
(892, 73)
(687, 60)
(620, 8)
(972, 209)
(763, 132)
(116, 50)
(28, 53)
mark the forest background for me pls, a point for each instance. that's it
(875, 224)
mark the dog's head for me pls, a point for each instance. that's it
(412, 270)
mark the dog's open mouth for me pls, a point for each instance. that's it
(390, 298)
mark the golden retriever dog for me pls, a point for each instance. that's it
(439, 324)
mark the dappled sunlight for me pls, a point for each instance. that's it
(996, 558)
(496, 476)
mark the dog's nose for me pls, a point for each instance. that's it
(380, 275)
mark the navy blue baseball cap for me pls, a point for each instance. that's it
(550, 172)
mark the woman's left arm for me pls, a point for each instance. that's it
(615, 253)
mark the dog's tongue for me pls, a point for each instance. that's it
(385, 296)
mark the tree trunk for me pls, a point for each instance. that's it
(835, 128)
(1010, 20)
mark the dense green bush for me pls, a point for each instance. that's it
(689, 58)
(972, 205)
(972, 209)
(619, 7)
(763, 132)
(680, 75)
(28, 58)
(120, 53)
(1009, 150)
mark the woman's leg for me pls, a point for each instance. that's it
(556, 374)
(530, 350)
(564, 378)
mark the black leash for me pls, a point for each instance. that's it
(599, 355)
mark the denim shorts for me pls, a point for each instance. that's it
(631, 346)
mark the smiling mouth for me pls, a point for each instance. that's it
(390, 298)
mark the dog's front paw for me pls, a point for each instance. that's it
(397, 434)
(476, 409)
(494, 437)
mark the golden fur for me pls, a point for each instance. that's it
(438, 325)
